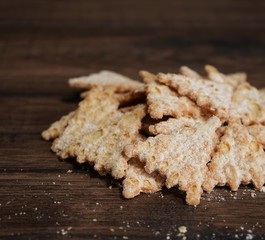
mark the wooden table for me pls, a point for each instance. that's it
(43, 43)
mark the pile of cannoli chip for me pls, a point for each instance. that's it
(179, 130)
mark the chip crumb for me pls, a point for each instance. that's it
(253, 195)
(249, 236)
(69, 171)
(182, 229)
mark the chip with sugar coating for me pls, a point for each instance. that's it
(105, 79)
(162, 101)
(99, 108)
(234, 79)
(213, 96)
(247, 105)
(137, 180)
(56, 129)
(104, 147)
(258, 131)
(180, 156)
(239, 158)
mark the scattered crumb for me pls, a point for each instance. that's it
(182, 229)
(69, 171)
(249, 236)
(253, 195)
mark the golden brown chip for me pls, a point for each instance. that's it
(137, 180)
(57, 128)
(104, 146)
(258, 131)
(173, 125)
(105, 79)
(233, 79)
(214, 96)
(188, 72)
(180, 156)
(247, 105)
(262, 96)
(162, 101)
(99, 108)
(239, 158)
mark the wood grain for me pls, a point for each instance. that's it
(43, 43)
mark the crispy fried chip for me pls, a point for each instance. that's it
(233, 79)
(127, 98)
(137, 180)
(162, 101)
(239, 159)
(247, 105)
(213, 96)
(262, 96)
(132, 97)
(258, 131)
(98, 109)
(180, 156)
(104, 146)
(57, 128)
(188, 72)
(105, 79)
(173, 124)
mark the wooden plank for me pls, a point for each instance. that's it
(42, 44)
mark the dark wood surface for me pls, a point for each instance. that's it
(43, 43)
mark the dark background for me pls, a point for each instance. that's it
(43, 43)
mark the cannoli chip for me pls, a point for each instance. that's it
(247, 105)
(105, 79)
(57, 128)
(137, 180)
(104, 147)
(234, 79)
(258, 131)
(180, 156)
(262, 96)
(239, 158)
(99, 108)
(213, 96)
(162, 101)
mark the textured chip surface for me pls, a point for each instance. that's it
(105, 79)
(97, 109)
(262, 96)
(137, 180)
(239, 158)
(234, 79)
(247, 105)
(162, 101)
(104, 146)
(188, 72)
(57, 128)
(213, 96)
(258, 131)
(180, 156)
